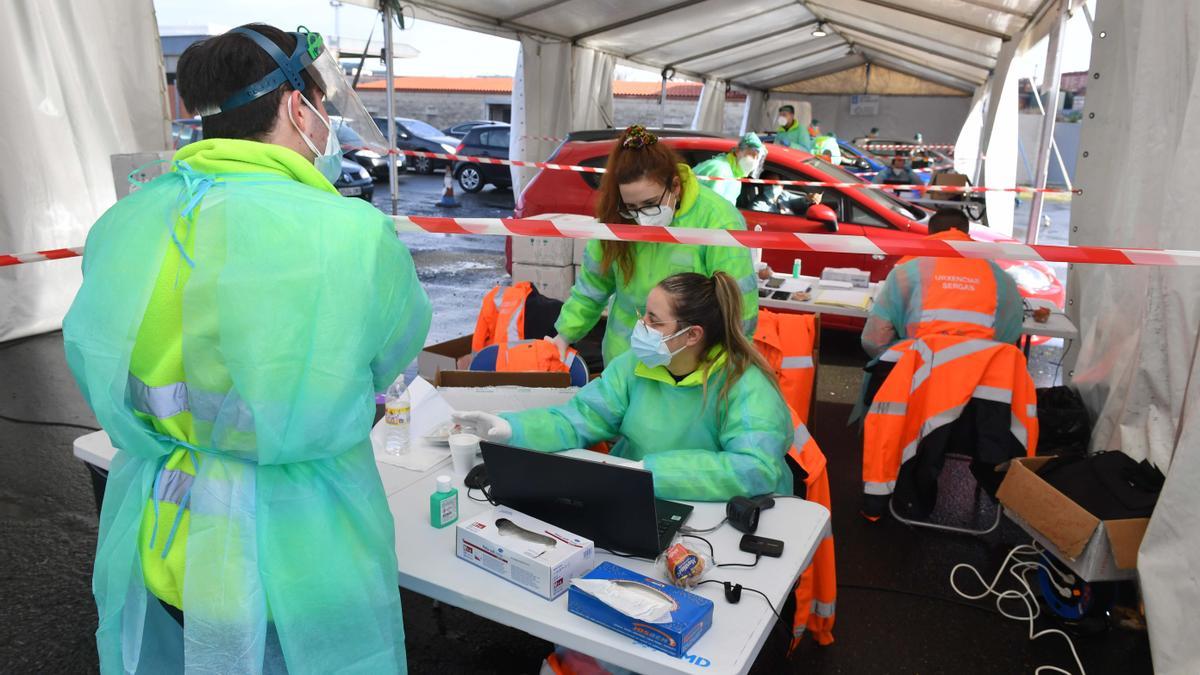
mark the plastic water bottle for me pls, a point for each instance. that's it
(397, 412)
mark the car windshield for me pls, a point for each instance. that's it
(419, 128)
(875, 196)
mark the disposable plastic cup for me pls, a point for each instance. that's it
(464, 453)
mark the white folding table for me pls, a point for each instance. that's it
(428, 565)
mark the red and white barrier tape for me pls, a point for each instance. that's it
(856, 185)
(7, 259)
(580, 227)
(907, 146)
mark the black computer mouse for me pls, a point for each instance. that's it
(477, 478)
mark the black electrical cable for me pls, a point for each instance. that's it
(41, 423)
(757, 557)
(779, 618)
(713, 553)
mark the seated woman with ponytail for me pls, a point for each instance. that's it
(692, 400)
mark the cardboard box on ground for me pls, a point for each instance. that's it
(1097, 550)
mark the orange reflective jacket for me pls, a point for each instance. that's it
(958, 295)
(788, 342)
(501, 316)
(934, 379)
(533, 356)
(816, 592)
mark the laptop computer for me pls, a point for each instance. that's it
(612, 505)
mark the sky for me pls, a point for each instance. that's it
(454, 52)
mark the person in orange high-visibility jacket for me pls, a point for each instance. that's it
(502, 316)
(950, 296)
(816, 592)
(936, 381)
(788, 343)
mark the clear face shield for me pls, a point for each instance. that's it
(347, 116)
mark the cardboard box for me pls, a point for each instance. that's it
(555, 251)
(481, 378)
(534, 555)
(449, 355)
(551, 281)
(691, 617)
(1097, 550)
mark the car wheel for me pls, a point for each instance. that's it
(470, 179)
(423, 165)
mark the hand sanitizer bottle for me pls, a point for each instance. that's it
(443, 504)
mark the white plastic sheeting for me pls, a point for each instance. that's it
(710, 108)
(84, 82)
(1000, 146)
(1138, 369)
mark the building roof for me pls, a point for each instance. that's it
(503, 85)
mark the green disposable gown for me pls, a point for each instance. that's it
(721, 166)
(298, 306)
(698, 448)
(652, 262)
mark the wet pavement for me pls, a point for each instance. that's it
(896, 613)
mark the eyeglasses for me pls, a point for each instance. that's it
(656, 325)
(630, 213)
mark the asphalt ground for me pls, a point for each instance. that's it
(896, 612)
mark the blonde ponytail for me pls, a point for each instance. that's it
(715, 304)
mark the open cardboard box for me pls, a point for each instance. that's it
(449, 355)
(481, 378)
(1097, 550)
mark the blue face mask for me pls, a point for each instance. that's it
(650, 346)
(328, 163)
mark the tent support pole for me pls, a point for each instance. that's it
(1052, 82)
(393, 178)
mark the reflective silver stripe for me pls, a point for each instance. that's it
(173, 485)
(801, 437)
(958, 316)
(797, 362)
(996, 394)
(513, 325)
(162, 402)
(1018, 430)
(748, 284)
(891, 355)
(798, 631)
(749, 326)
(498, 298)
(889, 408)
(1031, 409)
(926, 368)
(875, 488)
(823, 609)
(590, 292)
(591, 264)
(232, 411)
(965, 348)
(936, 422)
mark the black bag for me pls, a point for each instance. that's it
(1109, 485)
(1064, 426)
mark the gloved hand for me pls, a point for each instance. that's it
(559, 343)
(485, 425)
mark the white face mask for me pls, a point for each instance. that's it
(328, 163)
(664, 217)
(781, 121)
(747, 163)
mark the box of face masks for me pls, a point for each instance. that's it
(655, 614)
(528, 552)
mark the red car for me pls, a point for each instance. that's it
(873, 213)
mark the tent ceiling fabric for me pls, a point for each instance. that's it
(883, 81)
(953, 43)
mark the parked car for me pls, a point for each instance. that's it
(460, 130)
(186, 131)
(417, 135)
(357, 150)
(924, 158)
(484, 141)
(873, 213)
(354, 181)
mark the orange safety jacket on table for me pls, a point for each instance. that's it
(501, 316)
(933, 381)
(816, 592)
(787, 342)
